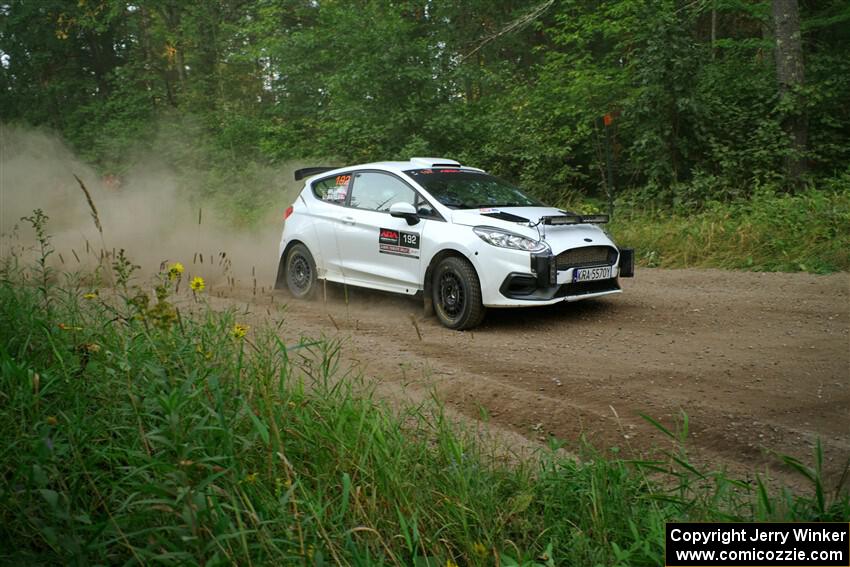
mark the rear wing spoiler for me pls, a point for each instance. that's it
(572, 218)
(308, 171)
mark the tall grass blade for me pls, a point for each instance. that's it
(92, 207)
(655, 423)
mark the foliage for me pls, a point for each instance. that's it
(137, 433)
(517, 88)
(804, 232)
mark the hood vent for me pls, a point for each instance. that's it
(501, 215)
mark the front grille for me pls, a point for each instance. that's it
(587, 257)
(584, 288)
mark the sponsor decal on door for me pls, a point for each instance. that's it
(398, 243)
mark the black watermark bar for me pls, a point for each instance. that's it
(758, 544)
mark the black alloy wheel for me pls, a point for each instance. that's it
(456, 294)
(300, 272)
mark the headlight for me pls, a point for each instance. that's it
(504, 239)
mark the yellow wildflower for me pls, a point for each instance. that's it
(479, 549)
(197, 284)
(251, 478)
(51, 420)
(239, 331)
(450, 563)
(175, 270)
(90, 295)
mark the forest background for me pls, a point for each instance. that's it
(720, 129)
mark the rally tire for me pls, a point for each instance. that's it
(300, 272)
(456, 294)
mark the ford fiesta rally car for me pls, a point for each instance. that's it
(465, 239)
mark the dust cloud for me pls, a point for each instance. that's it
(146, 211)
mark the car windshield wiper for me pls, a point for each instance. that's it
(503, 205)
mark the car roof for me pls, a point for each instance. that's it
(398, 166)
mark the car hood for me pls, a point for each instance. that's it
(559, 238)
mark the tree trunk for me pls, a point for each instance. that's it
(713, 28)
(789, 74)
(171, 17)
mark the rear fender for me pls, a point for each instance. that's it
(280, 280)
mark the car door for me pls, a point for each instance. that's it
(376, 249)
(329, 209)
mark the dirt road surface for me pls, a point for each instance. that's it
(759, 362)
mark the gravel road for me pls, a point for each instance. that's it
(759, 362)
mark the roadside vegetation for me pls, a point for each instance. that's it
(141, 426)
(805, 232)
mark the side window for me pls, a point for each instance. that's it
(425, 209)
(333, 189)
(378, 191)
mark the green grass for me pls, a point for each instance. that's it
(138, 433)
(807, 232)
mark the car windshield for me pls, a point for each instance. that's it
(461, 189)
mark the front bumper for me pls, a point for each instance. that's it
(546, 284)
(523, 287)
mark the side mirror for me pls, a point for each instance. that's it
(404, 211)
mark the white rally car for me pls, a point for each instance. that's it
(465, 239)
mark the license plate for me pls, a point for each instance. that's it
(590, 274)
